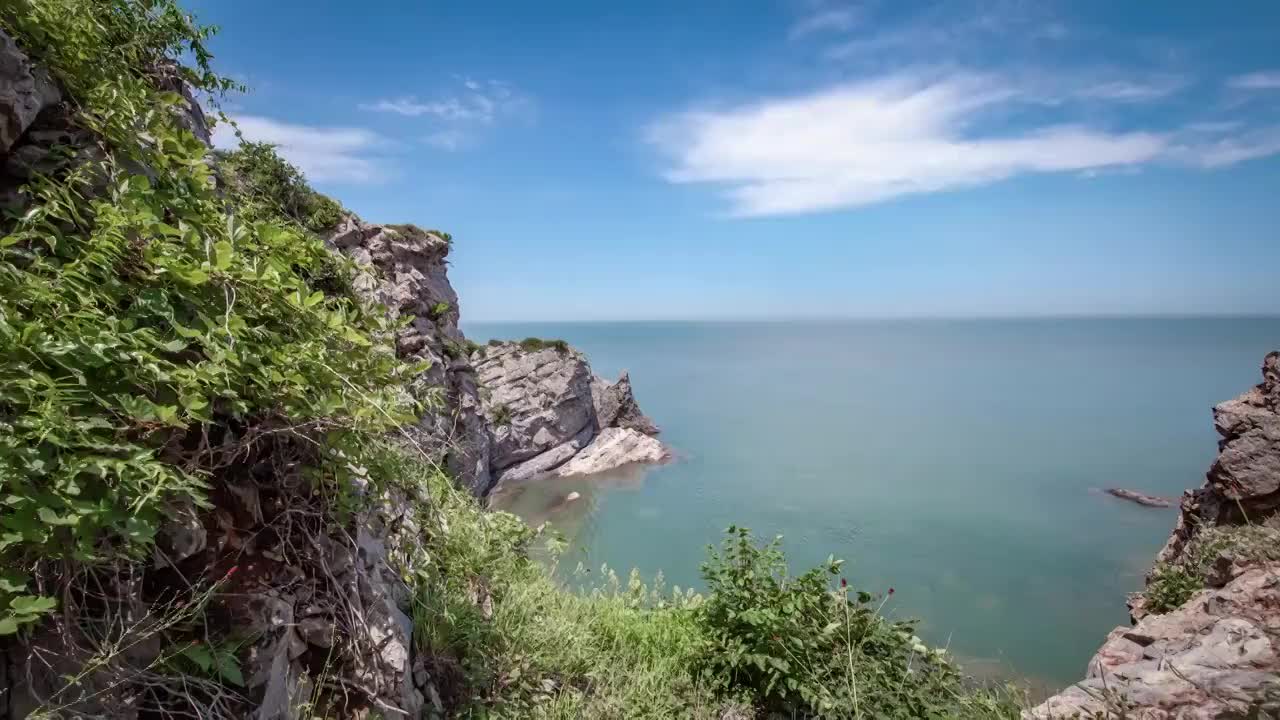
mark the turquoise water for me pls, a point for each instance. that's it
(956, 461)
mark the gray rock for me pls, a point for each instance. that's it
(25, 90)
(614, 448)
(403, 268)
(1140, 498)
(616, 405)
(540, 465)
(536, 400)
(1215, 657)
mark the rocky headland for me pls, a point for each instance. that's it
(1205, 639)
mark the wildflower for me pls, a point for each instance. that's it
(844, 583)
(231, 572)
(890, 591)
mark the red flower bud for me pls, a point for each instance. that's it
(844, 583)
(230, 572)
(890, 591)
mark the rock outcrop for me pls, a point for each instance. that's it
(1216, 656)
(25, 91)
(550, 415)
(404, 269)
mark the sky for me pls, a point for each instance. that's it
(790, 158)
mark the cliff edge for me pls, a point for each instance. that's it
(1205, 642)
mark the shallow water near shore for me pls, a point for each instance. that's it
(958, 462)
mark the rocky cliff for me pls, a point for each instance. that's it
(506, 412)
(1205, 642)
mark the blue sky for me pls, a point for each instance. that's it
(791, 158)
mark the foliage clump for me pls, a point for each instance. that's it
(264, 185)
(142, 315)
(533, 344)
(1171, 585)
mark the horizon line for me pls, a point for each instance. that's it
(883, 318)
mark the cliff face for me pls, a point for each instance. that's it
(508, 412)
(1217, 654)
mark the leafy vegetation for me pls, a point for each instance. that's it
(533, 344)
(137, 316)
(501, 414)
(264, 186)
(1172, 585)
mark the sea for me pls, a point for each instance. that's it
(959, 462)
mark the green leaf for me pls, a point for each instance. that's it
(195, 276)
(199, 654)
(8, 625)
(229, 669)
(314, 298)
(48, 516)
(353, 336)
(32, 605)
(222, 255)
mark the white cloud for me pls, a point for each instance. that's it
(475, 101)
(1133, 91)
(1223, 151)
(1261, 80)
(324, 154)
(868, 142)
(447, 139)
(838, 19)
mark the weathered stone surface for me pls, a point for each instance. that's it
(613, 448)
(404, 269)
(540, 465)
(616, 405)
(1140, 498)
(1244, 481)
(1215, 657)
(25, 90)
(535, 400)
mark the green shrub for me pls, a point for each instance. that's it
(501, 415)
(1172, 585)
(793, 644)
(264, 185)
(533, 344)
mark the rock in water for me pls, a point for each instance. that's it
(1140, 498)
(549, 415)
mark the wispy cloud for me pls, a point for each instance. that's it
(471, 101)
(461, 114)
(447, 139)
(1260, 80)
(869, 142)
(829, 19)
(324, 154)
(1134, 90)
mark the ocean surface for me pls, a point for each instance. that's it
(958, 462)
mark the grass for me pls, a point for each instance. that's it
(533, 344)
(502, 638)
(1173, 584)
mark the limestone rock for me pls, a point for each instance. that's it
(1217, 656)
(404, 269)
(1244, 481)
(536, 400)
(25, 90)
(616, 405)
(613, 448)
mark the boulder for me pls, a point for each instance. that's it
(25, 91)
(616, 406)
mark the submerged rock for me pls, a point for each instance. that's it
(1140, 498)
